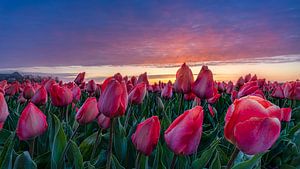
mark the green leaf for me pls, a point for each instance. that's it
(204, 158)
(58, 146)
(74, 155)
(216, 162)
(24, 161)
(249, 164)
(6, 154)
(115, 163)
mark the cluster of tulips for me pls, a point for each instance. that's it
(249, 113)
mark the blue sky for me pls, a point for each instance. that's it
(92, 33)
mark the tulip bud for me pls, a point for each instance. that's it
(137, 94)
(40, 97)
(184, 79)
(32, 123)
(91, 86)
(103, 121)
(146, 135)
(3, 109)
(184, 134)
(114, 99)
(60, 95)
(203, 87)
(167, 92)
(80, 78)
(88, 111)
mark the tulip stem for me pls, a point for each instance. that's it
(31, 147)
(232, 158)
(181, 105)
(68, 144)
(173, 163)
(137, 160)
(111, 132)
(127, 117)
(96, 143)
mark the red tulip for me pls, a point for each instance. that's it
(80, 78)
(184, 79)
(253, 124)
(240, 82)
(189, 96)
(253, 78)
(103, 121)
(248, 89)
(247, 78)
(215, 97)
(146, 135)
(105, 83)
(278, 92)
(3, 109)
(137, 94)
(12, 89)
(167, 92)
(211, 110)
(60, 95)
(133, 80)
(32, 123)
(76, 93)
(143, 78)
(113, 101)
(40, 97)
(184, 134)
(229, 87)
(48, 85)
(88, 111)
(294, 92)
(91, 86)
(203, 87)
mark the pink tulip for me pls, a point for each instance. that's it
(184, 79)
(3, 109)
(114, 99)
(80, 78)
(32, 123)
(203, 87)
(60, 96)
(184, 134)
(103, 121)
(167, 92)
(146, 135)
(137, 94)
(91, 86)
(253, 124)
(88, 111)
(40, 97)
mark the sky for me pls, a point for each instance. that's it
(62, 37)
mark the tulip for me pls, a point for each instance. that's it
(229, 87)
(60, 96)
(113, 101)
(3, 109)
(240, 82)
(40, 97)
(189, 96)
(248, 89)
(143, 78)
(137, 94)
(88, 111)
(146, 135)
(133, 80)
(12, 89)
(91, 86)
(215, 97)
(76, 94)
(294, 92)
(184, 134)
(167, 92)
(211, 110)
(247, 78)
(48, 85)
(253, 78)
(203, 87)
(80, 78)
(253, 124)
(103, 121)
(278, 92)
(184, 79)
(32, 123)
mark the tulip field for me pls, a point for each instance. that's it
(127, 122)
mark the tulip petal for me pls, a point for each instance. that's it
(256, 135)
